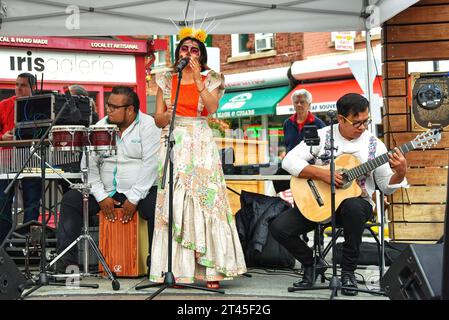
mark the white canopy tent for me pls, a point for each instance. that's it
(133, 17)
(163, 17)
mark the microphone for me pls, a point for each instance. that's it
(332, 114)
(75, 113)
(182, 64)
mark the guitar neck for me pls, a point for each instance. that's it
(372, 164)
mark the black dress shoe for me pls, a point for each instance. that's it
(348, 281)
(308, 279)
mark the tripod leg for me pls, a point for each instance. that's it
(115, 283)
(59, 256)
(334, 293)
(30, 291)
(164, 286)
(150, 285)
(201, 288)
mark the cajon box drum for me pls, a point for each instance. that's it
(124, 245)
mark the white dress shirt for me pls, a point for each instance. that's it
(133, 171)
(297, 159)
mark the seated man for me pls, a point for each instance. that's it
(350, 136)
(125, 179)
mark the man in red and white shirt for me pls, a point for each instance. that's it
(31, 187)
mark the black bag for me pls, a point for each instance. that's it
(369, 254)
(273, 255)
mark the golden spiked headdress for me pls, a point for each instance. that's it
(198, 34)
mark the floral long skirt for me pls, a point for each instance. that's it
(205, 241)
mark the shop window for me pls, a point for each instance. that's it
(160, 56)
(239, 44)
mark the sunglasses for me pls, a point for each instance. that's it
(191, 49)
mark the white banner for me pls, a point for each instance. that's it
(68, 66)
(344, 40)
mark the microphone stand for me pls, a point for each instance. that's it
(169, 278)
(335, 283)
(43, 277)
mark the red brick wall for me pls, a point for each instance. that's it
(319, 43)
(288, 46)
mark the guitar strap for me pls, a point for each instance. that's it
(327, 145)
(371, 155)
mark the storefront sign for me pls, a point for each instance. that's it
(23, 40)
(323, 106)
(229, 109)
(314, 108)
(69, 66)
(250, 103)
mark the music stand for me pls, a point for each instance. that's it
(335, 283)
(169, 278)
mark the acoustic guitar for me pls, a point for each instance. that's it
(313, 197)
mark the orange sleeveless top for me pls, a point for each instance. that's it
(188, 99)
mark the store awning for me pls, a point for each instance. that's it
(250, 102)
(325, 94)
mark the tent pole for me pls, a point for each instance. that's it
(369, 67)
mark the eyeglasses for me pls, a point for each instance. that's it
(358, 124)
(191, 49)
(113, 107)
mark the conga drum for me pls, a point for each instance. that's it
(124, 245)
(102, 137)
(68, 138)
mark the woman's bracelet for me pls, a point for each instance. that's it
(202, 89)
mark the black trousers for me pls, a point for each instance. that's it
(71, 219)
(352, 215)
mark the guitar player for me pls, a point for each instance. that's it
(350, 137)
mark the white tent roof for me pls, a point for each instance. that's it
(134, 17)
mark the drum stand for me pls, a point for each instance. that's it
(84, 188)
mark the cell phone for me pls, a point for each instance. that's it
(311, 137)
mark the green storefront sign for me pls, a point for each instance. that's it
(250, 102)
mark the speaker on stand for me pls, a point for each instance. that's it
(11, 279)
(421, 272)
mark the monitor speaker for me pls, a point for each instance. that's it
(429, 100)
(11, 279)
(416, 274)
